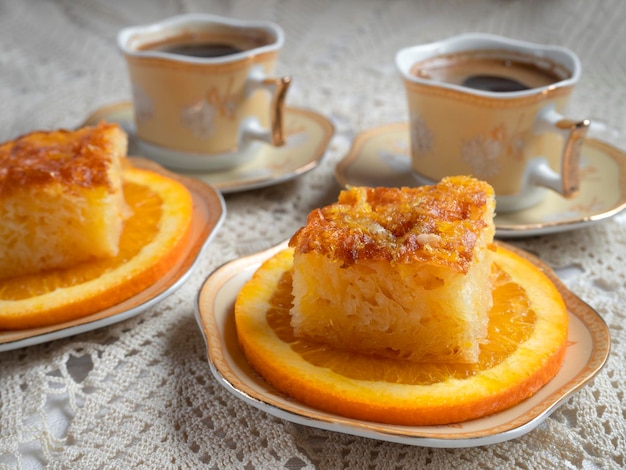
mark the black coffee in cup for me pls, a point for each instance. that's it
(206, 49)
(491, 70)
(209, 44)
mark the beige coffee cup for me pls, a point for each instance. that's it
(508, 130)
(204, 92)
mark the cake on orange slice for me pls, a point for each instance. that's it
(61, 198)
(82, 229)
(524, 348)
(153, 238)
(398, 272)
(396, 306)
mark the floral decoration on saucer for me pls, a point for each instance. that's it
(381, 157)
(307, 136)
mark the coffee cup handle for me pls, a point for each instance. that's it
(275, 135)
(567, 182)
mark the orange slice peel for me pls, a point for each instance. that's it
(152, 240)
(526, 346)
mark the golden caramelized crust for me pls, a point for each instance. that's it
(438, 224)
(78, 158)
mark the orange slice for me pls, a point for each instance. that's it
(526, 344)
(152, 239)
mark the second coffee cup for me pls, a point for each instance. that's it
(204, 92)
(491, 107)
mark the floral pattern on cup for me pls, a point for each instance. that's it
(421, 135)
(144, 109)
(200, 117)
(483, 152)
(225, 103)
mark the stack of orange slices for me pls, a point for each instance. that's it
(526, 344)
(153, 238)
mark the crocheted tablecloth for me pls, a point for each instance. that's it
(140, 394)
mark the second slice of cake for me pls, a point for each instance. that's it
(61, 198)
(402, 273)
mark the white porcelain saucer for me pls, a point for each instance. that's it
(588, 348)
(308, 134)
(380, 157)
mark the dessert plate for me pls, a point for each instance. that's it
(308, 134)
(208, 215)
(380, 157)
(587, 350)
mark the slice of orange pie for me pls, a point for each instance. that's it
(403, 273)
(61, 198)
(81, 229)
(395, 306)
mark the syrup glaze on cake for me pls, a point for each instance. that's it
(438, 224)
(81, 158)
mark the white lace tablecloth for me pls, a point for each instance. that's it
(139, 394)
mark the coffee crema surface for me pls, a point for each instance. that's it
(208, 44)
(207, 49)
(494, 71)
